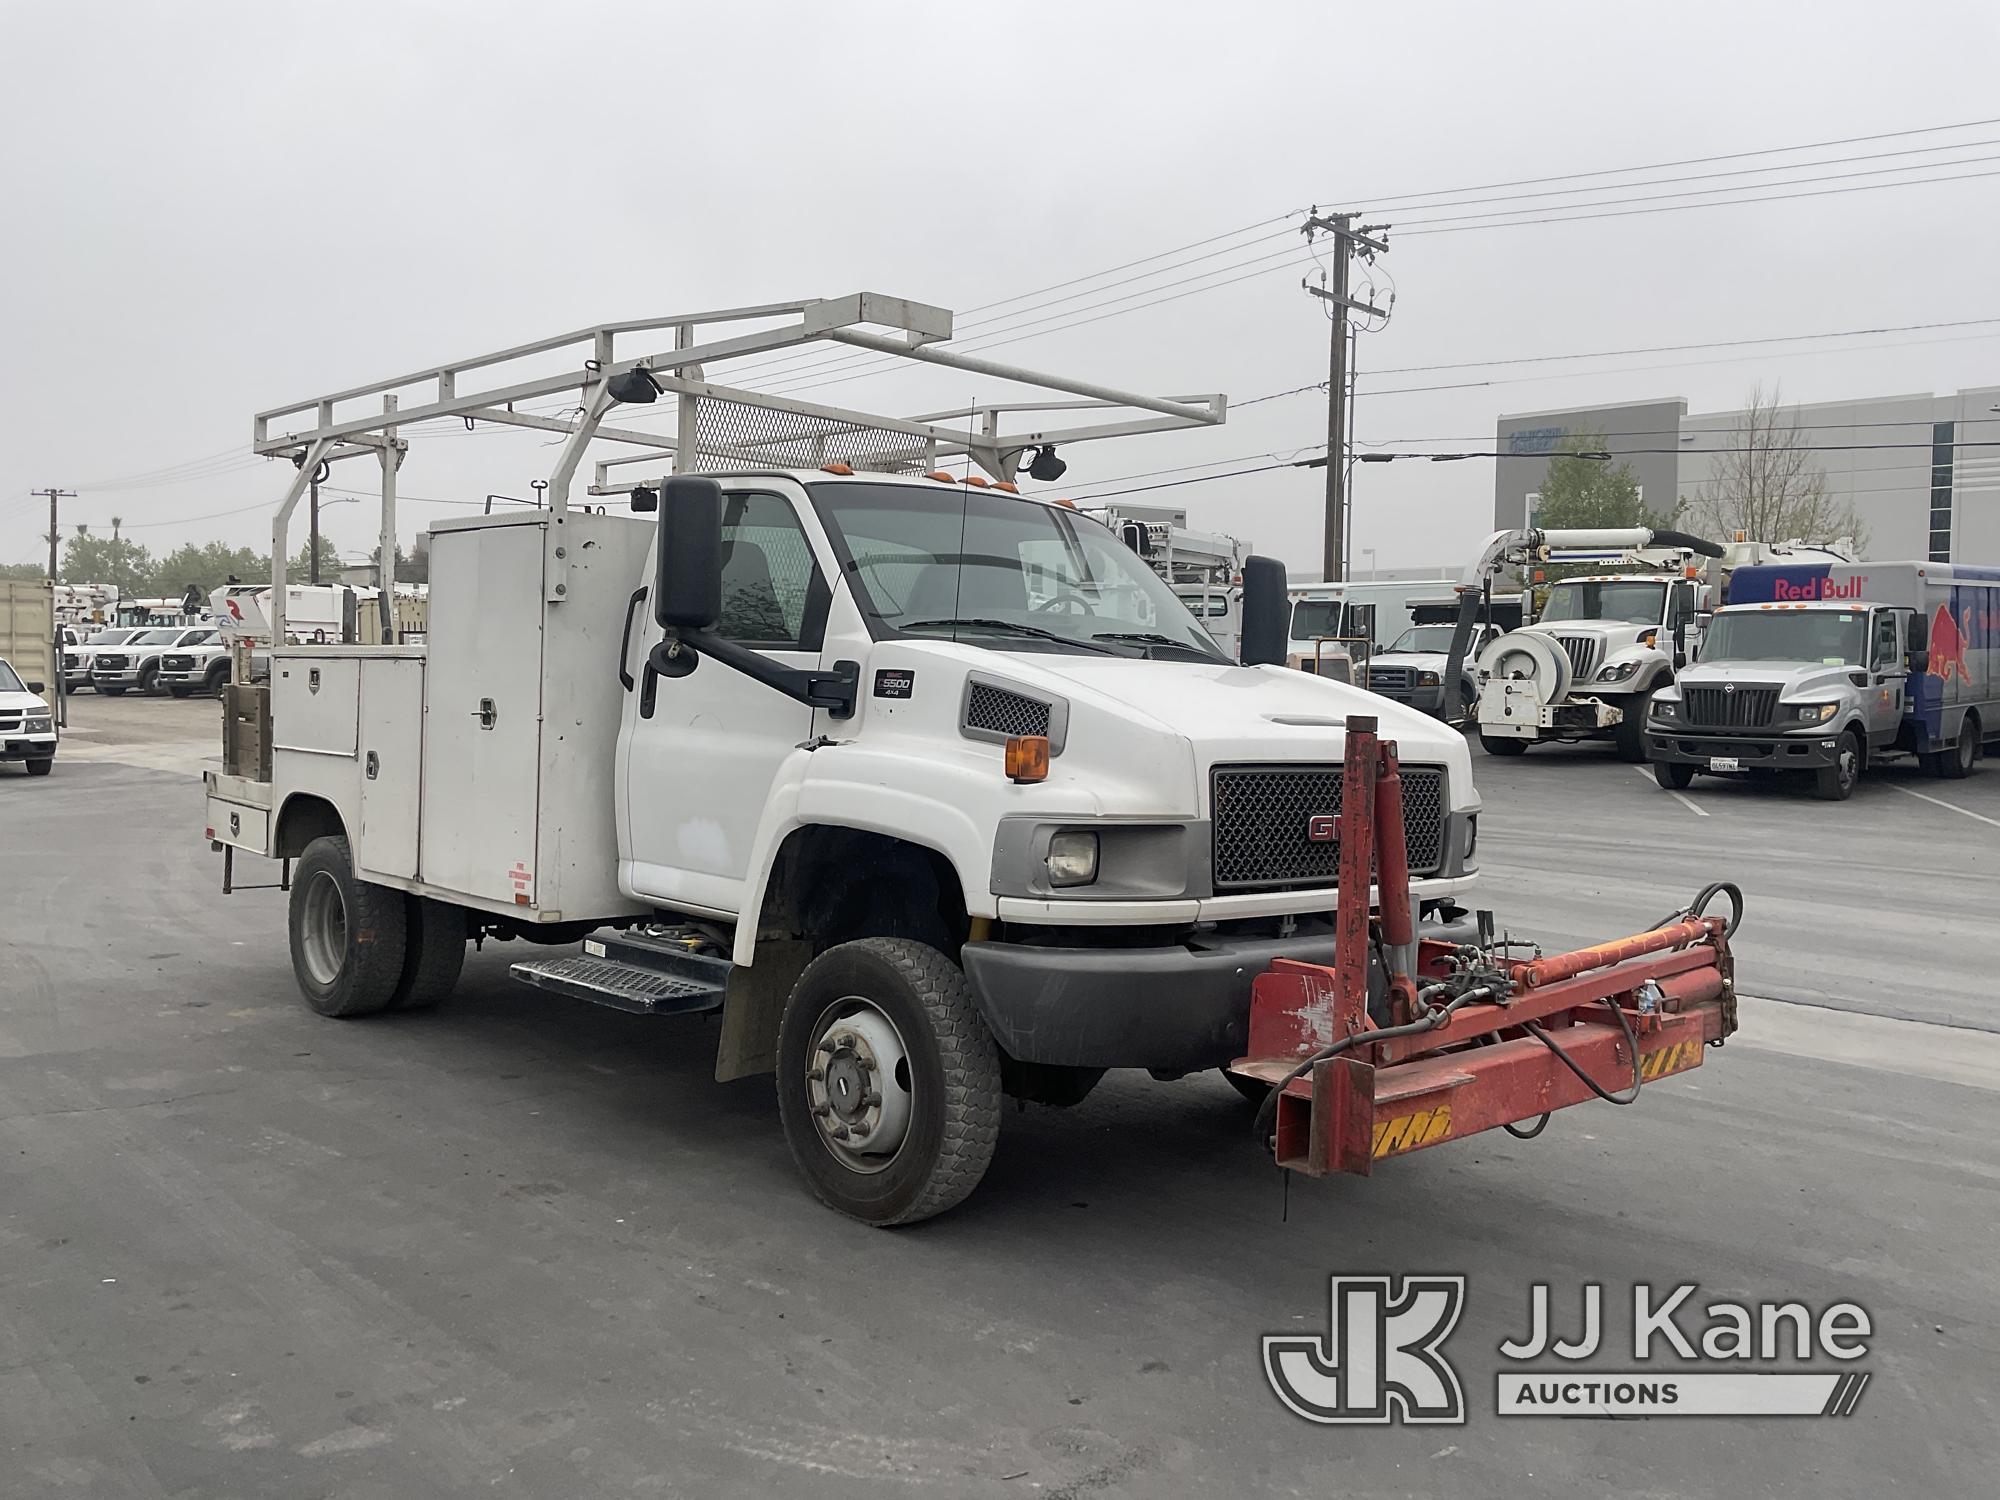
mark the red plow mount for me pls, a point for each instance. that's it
(1463, 1036)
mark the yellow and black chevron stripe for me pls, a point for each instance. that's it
(1407, 1132)
(1669, 1060)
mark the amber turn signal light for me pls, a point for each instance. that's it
(1028, 757)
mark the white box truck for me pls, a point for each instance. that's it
(1829, 668)
(931, 789)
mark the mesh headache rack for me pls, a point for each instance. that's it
(716, 425)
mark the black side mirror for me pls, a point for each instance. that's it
(687, 592)
(37, 687)
(1267, 613)
(1920, 634)
(645, 500)
(1920, 660)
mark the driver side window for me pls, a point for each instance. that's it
(773, 595)
(1885, 642)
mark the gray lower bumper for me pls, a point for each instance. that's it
(1767, 752)
(23, 747)
(1177, 1008)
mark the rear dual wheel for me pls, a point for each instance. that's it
(359, 948)
(1956, 762)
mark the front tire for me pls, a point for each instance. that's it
(888, 1081)
(112, 690)
(149, 678)
(1501, 745)
(348, 936)
(178, 690)
(1673, 776)
(1835, 783)
(41, 767)
(1629, 733)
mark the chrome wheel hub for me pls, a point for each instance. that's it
(858, 1085)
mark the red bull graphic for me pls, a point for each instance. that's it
(1948, 643)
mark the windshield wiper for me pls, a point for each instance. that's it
(1011, 627)
(1149, 638)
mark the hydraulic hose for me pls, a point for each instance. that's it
(1699, 906)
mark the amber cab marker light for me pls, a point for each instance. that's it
(1028, 758)
(836, 468)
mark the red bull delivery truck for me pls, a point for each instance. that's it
(1827, 668)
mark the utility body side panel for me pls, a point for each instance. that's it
(392, 732)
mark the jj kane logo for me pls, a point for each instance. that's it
(1382, 1357)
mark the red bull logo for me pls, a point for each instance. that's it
(1948, 645)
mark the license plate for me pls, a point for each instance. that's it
(1724, 763)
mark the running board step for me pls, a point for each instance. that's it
(633, 972)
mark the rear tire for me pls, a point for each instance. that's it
(1674, 776)
(41, 767)
(433, 953)
(1956, 763)
(1629, 733)
(347, 935)
(888, 1081)
(1497, 745)
(1835, 783)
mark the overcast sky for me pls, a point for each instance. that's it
(213, 208)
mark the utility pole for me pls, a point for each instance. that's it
(55, 526)
(1346, 240)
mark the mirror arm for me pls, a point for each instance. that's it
(834, 691)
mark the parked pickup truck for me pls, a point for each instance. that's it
(78, 659)
(27, 722)
(1412, 671)
(200, 667)
(137, 662)
(1828, 669)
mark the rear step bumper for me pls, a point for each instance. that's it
(634, 972)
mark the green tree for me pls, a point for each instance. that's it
(206, 567)
(1590, 493)
(24, 572)
(299, 569)
(114, 559)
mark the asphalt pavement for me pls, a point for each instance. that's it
(521, 1247)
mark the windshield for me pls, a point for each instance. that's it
(1635, 601)
(1835, 638)
(1424, 638)
(1313, 618)
(9, 683)
(1013, 574)
(155, 637)
(109, 637)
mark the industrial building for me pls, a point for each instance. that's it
(1922, 471)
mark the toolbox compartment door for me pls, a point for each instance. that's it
(392, 708)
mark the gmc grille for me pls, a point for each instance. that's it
(1582, 651)
(1740, 706)
(1262, 813)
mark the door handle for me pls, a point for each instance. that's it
(625, 635)
(486, 713)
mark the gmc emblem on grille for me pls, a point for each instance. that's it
(1322, 828)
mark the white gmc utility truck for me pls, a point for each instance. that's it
(932, 789)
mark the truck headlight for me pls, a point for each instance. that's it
(38, 724)
(1072, 858)
(1666, 708)
(1618, 671)
(1428, 679)
(1815, 713)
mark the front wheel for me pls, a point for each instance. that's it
(1835, 783)
(1673, 776)
(1502, 745)
(178, 690)
(888, 1081)
(41, 767)
(149, 678)
(112, 690)
(1629, 733)
(348, 936)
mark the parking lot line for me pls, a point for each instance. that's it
(1681, 797)
(1948, 806)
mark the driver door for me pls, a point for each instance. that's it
(694, 779)
(1888, 677)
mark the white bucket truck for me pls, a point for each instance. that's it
(932, 790)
